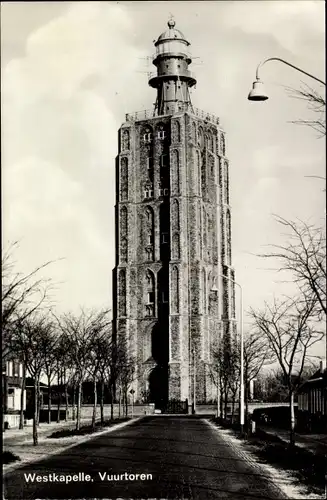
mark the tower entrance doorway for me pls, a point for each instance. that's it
(158, 386)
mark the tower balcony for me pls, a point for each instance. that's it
(187, 107)
(155, 79)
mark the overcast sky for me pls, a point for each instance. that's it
(70, 72)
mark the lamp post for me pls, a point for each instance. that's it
(258, 93)
(215, 289)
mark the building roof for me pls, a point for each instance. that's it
(172, 33)
(30, 382)
(318, 379)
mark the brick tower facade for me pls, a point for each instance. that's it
(171, 304)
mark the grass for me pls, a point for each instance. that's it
(86, 429)
(8, 457)
(308, 467)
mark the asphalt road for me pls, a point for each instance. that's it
(185, 457)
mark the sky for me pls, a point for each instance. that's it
(70, 72)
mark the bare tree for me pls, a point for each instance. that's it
(316, 103)
(304, 255)
(47, 348)
(224, 372)
(124, 372)
(22, 295)
(105, 357)
(290, 328)
(256, 355)
(80, 331)
(29, 336)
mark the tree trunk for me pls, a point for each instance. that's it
(66, 402)
(66, 396)
(59, 398)
(225, 404)
(35, 413)
(79, 406)
(112, 402)
(246, 395)
(126, 403)
(119, 405)
(74, 403)
(39, 402)
(102, 402)
(49, 400)
(292, 419)
(221, 399)
(233, 407)
(94, 415)
(22, 399)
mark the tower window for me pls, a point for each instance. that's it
(150, 297)
(165, 238)
(150, 238)
(147, 137)
(161, 134)
(164, 160)
(166, 192)
(148, 193)
(149, 162)
(165, 297)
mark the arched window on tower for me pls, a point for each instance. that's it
(150, 293)
(175, 215)
(176, 247)
(123, 221)
(226, 182)
(148, 228)
(161, 131)
(228, 237)
(175, 169)
(176, 131)
(123, 234)
(210, 141)
(125, 140)
(124, 179)
(147, 135)
(204, 292)
(194, 133)
(175, 290)
(122, 292)
(222, 144)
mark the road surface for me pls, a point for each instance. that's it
(157, 457)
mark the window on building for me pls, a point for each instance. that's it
(15, 369)
(149, 162)
(150, 238)
(148, 193)
(166, 192)
(147, 137)
(165, 297)
(161, 134)
(149, 253)
(150, 297)
(164, 238)
(164, 162)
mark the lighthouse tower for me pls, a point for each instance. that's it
(172, 307)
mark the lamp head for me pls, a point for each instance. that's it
(257, 93)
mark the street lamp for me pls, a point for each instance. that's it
(215, 289)
(258, 93)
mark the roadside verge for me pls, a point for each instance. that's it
(47, 447)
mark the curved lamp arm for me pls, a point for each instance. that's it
(288, 64)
